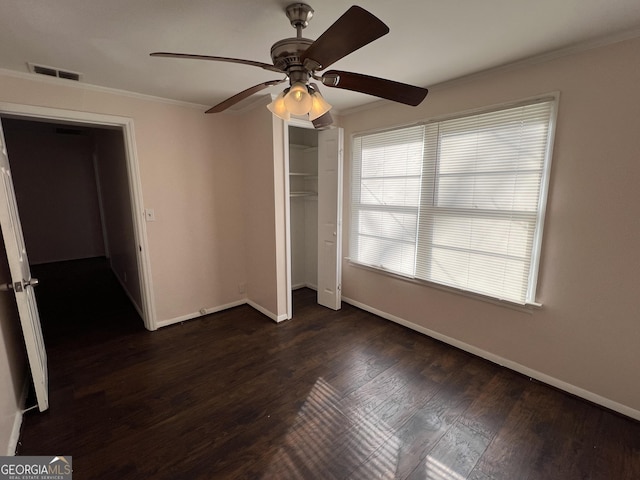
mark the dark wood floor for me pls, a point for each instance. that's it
(327, 395)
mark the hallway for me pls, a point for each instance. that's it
(81, 301)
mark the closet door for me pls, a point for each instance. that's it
(330, 217)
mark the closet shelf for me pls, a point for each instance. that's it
(305, 148)
(304, 174)
(303, 194)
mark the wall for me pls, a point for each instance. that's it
(585, 337)
(55, 185)
(259, 191)
(13, 365)
(191, 174)
(281, 174)
(111, 168)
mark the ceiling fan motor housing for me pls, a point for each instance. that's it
(286, 53)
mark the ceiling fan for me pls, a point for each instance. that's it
(300, 59)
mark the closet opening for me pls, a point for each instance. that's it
(303, 198)
(314, 227)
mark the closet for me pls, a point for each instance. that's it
(314, 229)
(303, 197)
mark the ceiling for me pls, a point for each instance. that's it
(430, 41)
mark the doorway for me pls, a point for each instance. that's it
(119, 191)
(73, 197)
(303, 199)
(28, 128)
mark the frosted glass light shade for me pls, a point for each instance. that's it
(278, 107)
(319, 106)
(298, 101)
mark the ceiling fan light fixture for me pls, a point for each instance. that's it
(319, 106)
(298, 100)
(299, 58)
(278, 107)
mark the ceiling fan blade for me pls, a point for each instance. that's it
(379, 87)
(266, 66)
(353, 30)
(242, 95)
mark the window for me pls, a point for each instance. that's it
(458, 202)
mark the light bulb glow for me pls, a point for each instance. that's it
(278, 108)
(298, 101)
(319, 106)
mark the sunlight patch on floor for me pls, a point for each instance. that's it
(309, 448)
(435, 470)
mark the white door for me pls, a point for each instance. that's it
(21, 282)
(330, 217)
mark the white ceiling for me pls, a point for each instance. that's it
(431, 41)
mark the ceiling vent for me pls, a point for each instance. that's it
(53, 72)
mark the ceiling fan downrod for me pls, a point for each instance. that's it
(299, 15)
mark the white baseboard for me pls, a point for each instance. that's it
(219, 308)
(264, 311)
(529, 372)
(207, 311)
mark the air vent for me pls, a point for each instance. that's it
(53, 72)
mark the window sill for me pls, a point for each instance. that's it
(526, 308)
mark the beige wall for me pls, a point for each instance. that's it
(259, 191)
(111, 168)
(281, 200)
(191, 171)
(12, 364)
(586, 335)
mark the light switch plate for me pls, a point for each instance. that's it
(150, 215)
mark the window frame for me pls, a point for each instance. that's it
(537, 217)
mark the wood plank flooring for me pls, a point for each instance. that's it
(327, 395)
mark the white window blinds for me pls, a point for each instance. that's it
(458, 202)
